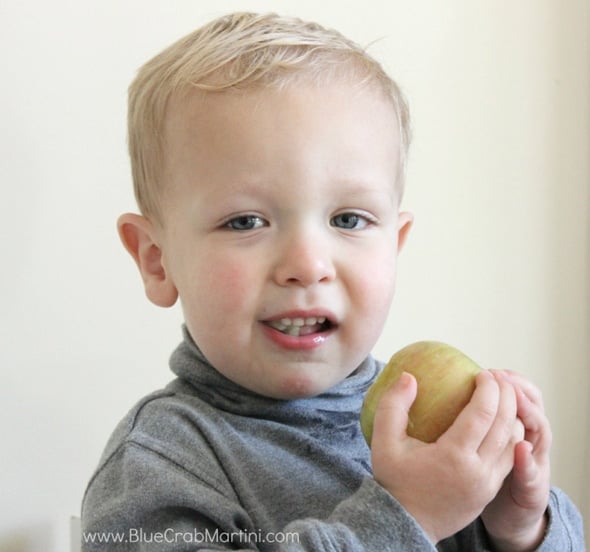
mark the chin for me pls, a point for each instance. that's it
(300, 387)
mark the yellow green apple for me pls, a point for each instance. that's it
(446, 381)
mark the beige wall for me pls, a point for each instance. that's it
(497, 263)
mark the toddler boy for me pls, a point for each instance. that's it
(268, 160)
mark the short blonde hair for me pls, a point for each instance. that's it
(241, 51)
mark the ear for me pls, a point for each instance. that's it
(139, 238)
(405, 221)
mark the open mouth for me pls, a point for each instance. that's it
(297, 327)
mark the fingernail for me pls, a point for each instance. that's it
(404, 380)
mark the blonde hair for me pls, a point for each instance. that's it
(241, 51)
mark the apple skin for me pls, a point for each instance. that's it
(446, 381)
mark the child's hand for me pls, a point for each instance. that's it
(515, 519)
(447, 484)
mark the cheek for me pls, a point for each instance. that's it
(218, 308)
(222, 288)
(378, 276)
(227, 282)
(377, 298)
(376, 287)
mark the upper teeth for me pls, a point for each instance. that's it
(293, 326)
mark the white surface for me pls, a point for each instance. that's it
(497, 263)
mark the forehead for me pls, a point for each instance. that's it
(258, 133)
(196, 112)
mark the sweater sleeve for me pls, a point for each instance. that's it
(371, 519)
(564, 530)
(141, 501)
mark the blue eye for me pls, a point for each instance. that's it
(245, 222)
(349, 221)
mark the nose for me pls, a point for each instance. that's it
(304, 261)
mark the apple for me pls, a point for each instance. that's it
(446, 381)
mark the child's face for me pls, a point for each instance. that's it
(283, 206)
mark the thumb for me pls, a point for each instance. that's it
(391, 415)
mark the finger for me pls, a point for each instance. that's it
(475, 420)
(518, 432)
(499, 437)
(524, 485)
(524, 464)
(536, 424)
(391, 414)
(532, 392)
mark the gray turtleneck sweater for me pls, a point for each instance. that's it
(207, 465)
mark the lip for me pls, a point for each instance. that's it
(304, 342)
